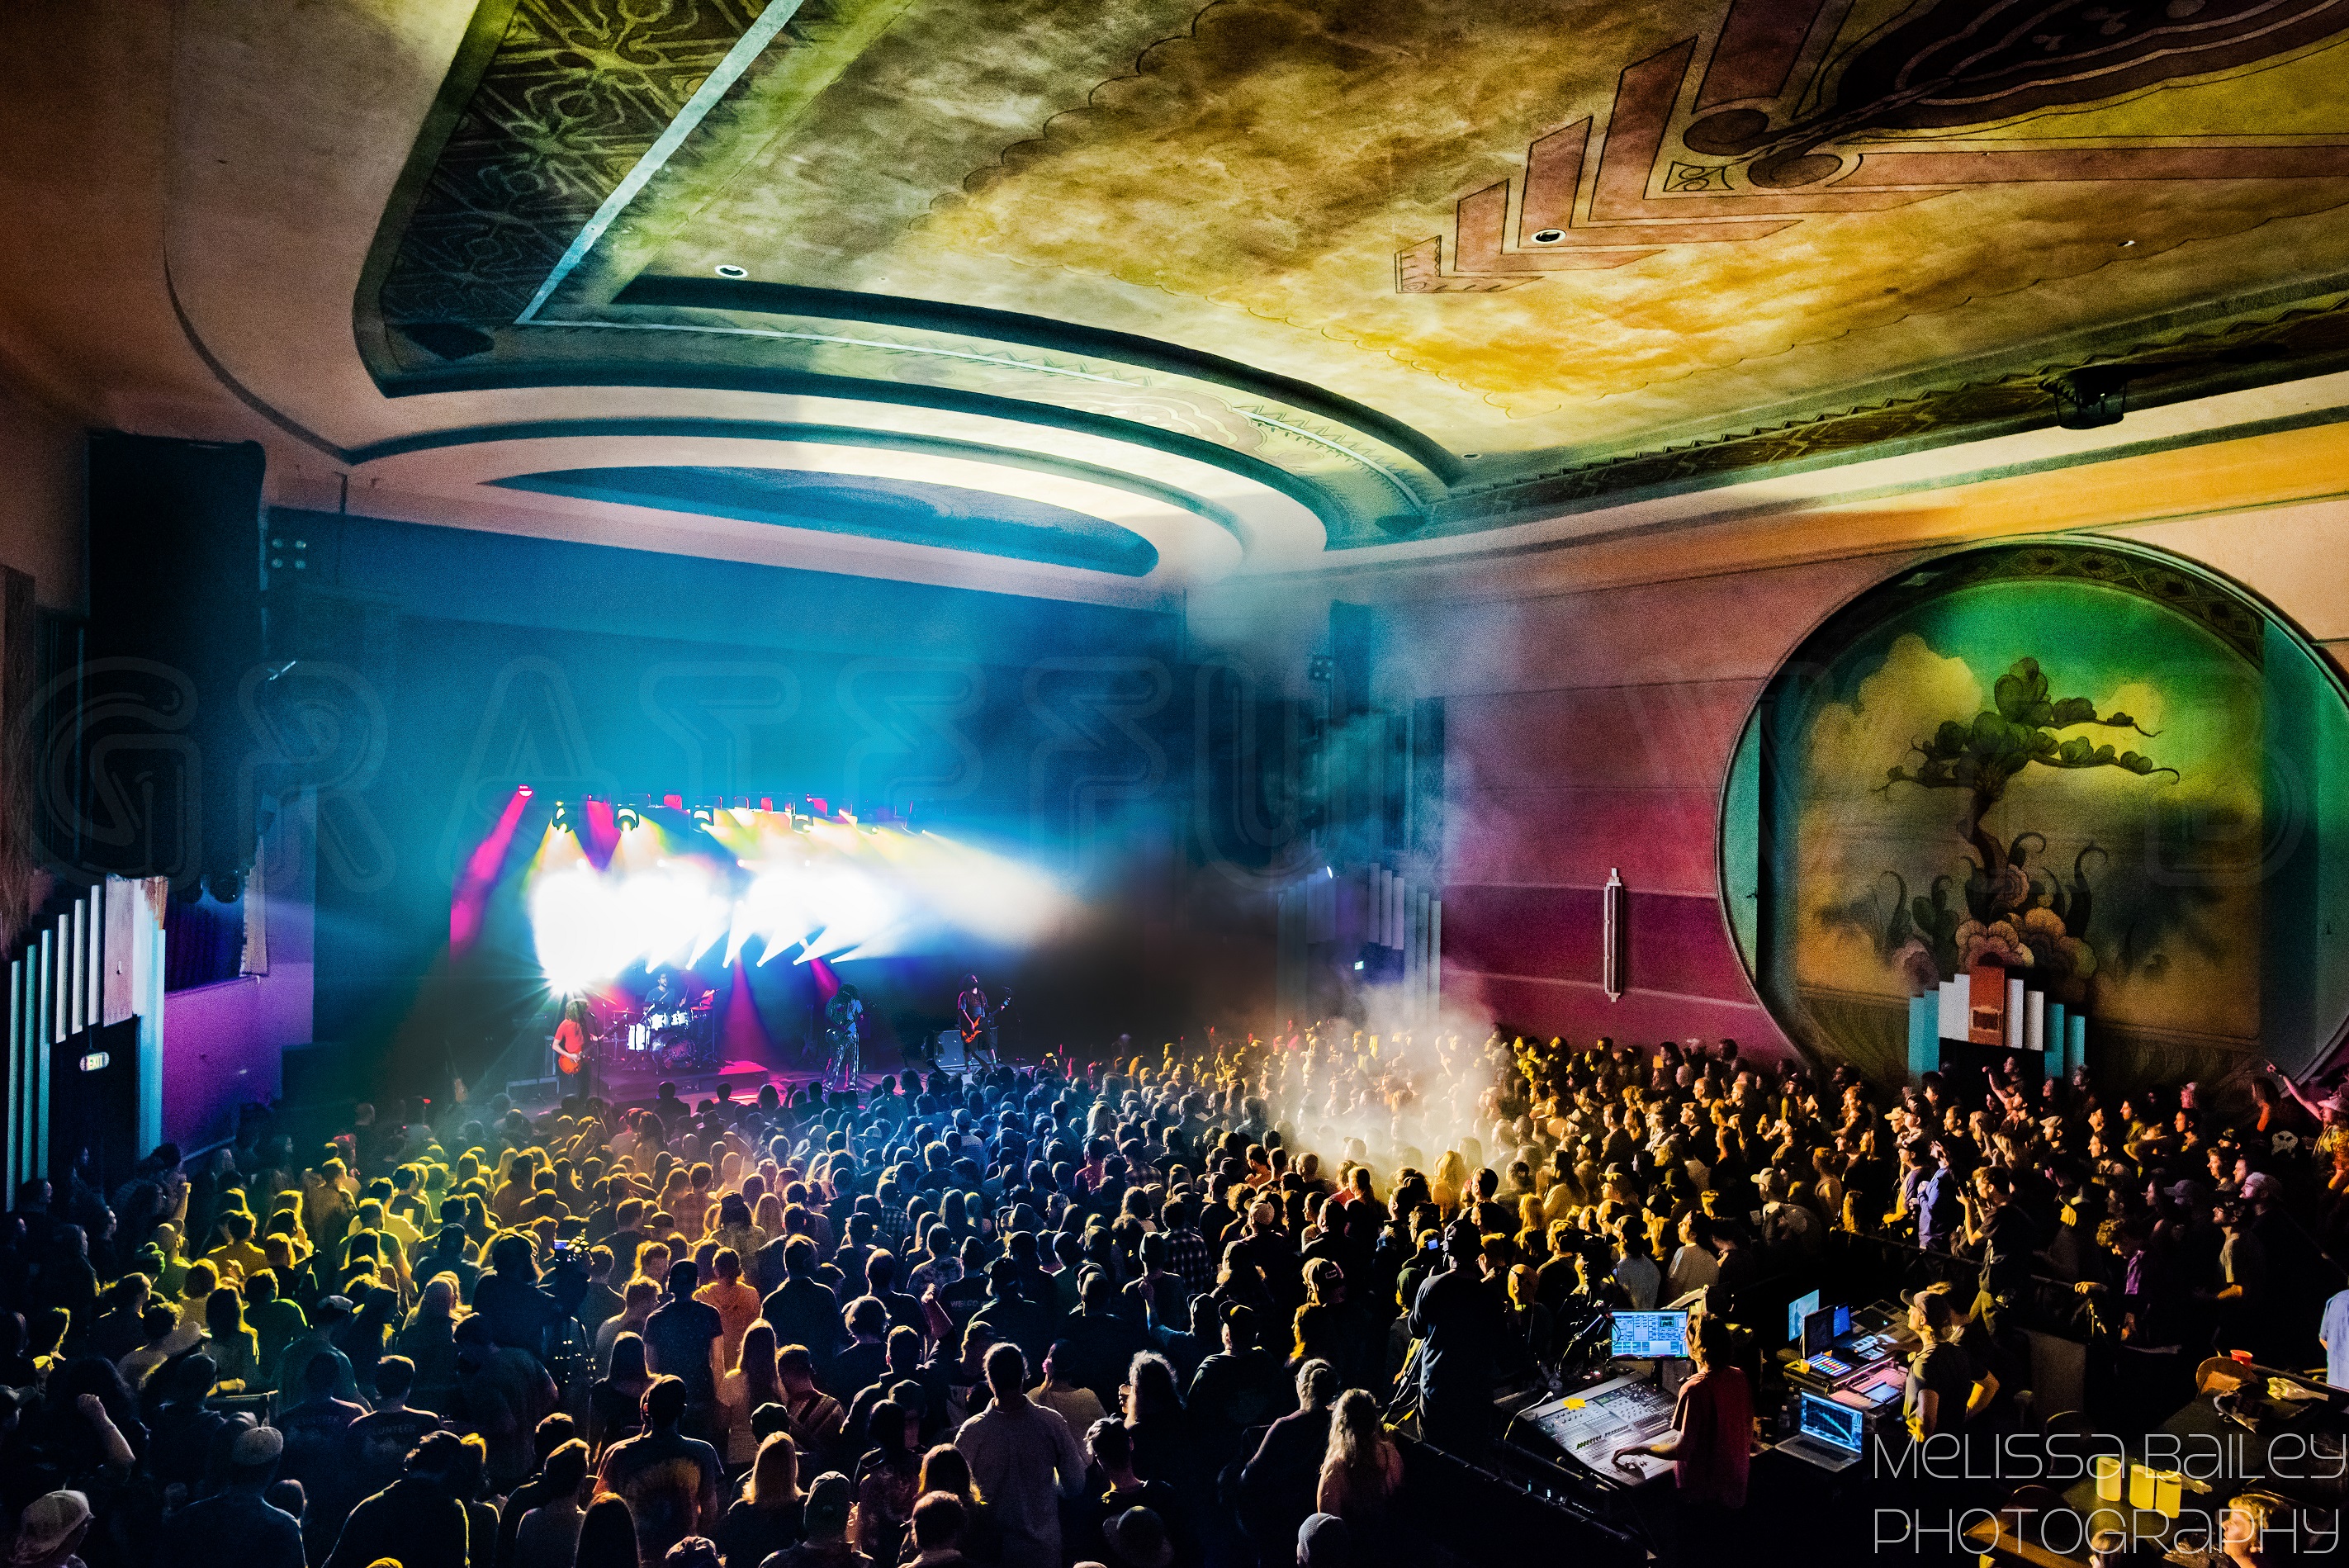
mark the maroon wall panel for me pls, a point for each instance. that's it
(1661, 840)
(1696, 628)
(1551, 932)
(1678, 944)
(1675, 943)
(1637, 737)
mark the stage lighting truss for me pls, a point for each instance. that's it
(571, 816)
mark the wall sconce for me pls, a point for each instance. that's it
(1611, 935)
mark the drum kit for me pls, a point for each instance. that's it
(671, 1039)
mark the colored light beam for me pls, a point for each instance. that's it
(602, 833)
(469, 900)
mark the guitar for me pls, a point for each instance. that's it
(979, 1021)
(570, 1046)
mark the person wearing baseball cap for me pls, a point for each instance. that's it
(1137, 1539)
(238, 1527)
(50, 1530)
(1940, 1378)
(1322, 1541)
(824, 1516)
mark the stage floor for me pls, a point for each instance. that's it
(744, 1077)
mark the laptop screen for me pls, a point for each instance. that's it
(1819, 1330)
(1801, 1307)
(1838, 1426)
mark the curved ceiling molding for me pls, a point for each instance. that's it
(1044, 332)
(815, 435)
(1269, 526)
(1318, 499)
(909, 511)
(1056, 528)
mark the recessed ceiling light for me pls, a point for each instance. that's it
(728, 269)
(1549, 237)
(2126, 244)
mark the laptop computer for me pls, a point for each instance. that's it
(1831, 1436)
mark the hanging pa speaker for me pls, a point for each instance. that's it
(160, 756)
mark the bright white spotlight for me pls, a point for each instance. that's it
(822, 887)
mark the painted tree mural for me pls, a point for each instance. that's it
(2014, 914)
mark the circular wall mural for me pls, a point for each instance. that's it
(2095, 766)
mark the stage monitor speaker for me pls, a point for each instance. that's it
(163, 758)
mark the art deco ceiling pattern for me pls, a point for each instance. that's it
(1248, 283)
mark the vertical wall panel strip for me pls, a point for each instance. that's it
(20, 1108)
(16, 1069)
(1409, 957)
(1436, 953)
(123, 908)
(78, 970)
(46, 1041)
(1419, 956)
(98, 956)
(1401, 993)
(1418, 907)
(22, 1029)
(150, 1022)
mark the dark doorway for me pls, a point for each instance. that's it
(94, 1105)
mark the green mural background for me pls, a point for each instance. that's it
(2093, 764)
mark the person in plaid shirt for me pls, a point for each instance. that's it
(1186, 1250)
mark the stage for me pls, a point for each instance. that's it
(633, 1084)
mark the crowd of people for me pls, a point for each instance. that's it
(1147, 1312)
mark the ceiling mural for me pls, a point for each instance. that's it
(1420, 267)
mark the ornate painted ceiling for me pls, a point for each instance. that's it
(1196, 290)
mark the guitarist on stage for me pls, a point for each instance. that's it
(575, 1043)
(979, 1021)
